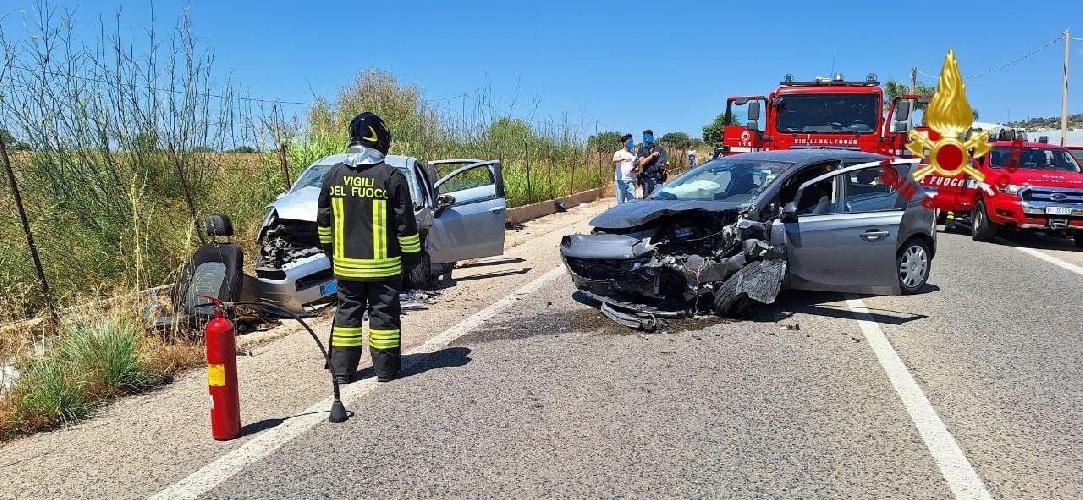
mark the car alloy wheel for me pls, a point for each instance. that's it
(914, 266)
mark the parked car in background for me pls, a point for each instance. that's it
(739, 229)
(460, 216)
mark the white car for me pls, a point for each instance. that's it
(460, 216)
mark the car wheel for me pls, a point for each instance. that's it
(981, 228)
(732, 306)
(420, 276)
(913, 263)
(1078, 237)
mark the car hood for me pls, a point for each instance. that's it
(639, 212)
(1046, 178)
(298, 205)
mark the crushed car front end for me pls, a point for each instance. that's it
(684, 263)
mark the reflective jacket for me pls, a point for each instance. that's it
(365, 221)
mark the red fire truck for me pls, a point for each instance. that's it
(825, 112)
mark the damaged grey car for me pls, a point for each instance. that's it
(737, 230)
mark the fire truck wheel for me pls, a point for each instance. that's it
(982, 229)
(913, 263)
(1078, 237)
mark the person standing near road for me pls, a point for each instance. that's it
(691, 156)
(366, 226)
(625, 170)
(651, 160)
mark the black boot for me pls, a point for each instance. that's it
(385, 362)
(344, 361)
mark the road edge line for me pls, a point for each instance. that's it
(1051, 259)
(952, 462)
(226, 466)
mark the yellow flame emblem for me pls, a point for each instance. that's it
(951, 116)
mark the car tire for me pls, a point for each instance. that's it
(732, 306)
(420, 276)
(1078, 238)
(913, 262)
(981, 228)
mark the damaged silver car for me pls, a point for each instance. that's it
(737, 230)
(460, 216)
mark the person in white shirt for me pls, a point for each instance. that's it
(692, 153)
(625, 170)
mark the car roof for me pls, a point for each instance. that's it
(398, 161)
(804, 156)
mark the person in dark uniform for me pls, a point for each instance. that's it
(651, 160)
(367, 228)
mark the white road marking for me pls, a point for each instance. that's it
(955, 468)
(1052, 260)
(259, 447)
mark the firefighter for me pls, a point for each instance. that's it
(367, 229)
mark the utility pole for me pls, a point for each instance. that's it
(913, 89)
(1064, 93)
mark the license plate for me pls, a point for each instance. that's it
(1058, 210)
(329, 287)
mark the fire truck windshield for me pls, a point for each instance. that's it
(829, 113)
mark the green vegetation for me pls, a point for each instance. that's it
(90, 362)
(1074, 122)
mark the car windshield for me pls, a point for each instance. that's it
(730, 179)
(312, 177)
(828, 113)
(1035, 159)
(1077, 153)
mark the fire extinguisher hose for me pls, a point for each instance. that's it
(338, 410)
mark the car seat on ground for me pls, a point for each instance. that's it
(215, 269)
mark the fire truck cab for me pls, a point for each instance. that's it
(825, 112)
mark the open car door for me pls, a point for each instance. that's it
(471, 209)
(841, 232)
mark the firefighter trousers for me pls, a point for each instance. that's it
(381, 300)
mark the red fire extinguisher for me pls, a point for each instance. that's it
(222, 376)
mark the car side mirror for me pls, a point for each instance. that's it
(753, 111)
(789, 212)
(443, 201)
(902, 126)
(902, 111)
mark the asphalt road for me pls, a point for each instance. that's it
(547, 398)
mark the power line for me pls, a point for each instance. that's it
(1009, 63)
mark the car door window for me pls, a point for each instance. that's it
(470, 185)
(864, 191)
(819, 198)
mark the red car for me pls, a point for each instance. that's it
(1026, 186)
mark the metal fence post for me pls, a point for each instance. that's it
(29, 236)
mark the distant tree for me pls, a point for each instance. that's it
(712, 132)
(11, 143)
(242, 149)
(676, 139)
(893, 89)
(604, 142)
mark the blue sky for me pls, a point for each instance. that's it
(626, 65)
